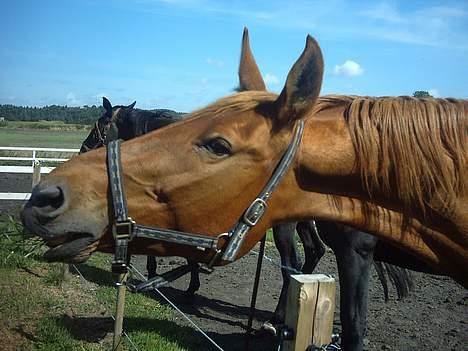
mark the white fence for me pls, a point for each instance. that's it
(35, 155)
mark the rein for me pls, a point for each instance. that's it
(125, 229)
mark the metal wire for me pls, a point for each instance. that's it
(275, 263)
(134, 269)
(91, 288)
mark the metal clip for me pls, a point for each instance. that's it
(255, 211)
(124, 229)
(208, 268)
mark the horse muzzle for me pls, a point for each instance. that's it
(71, 238)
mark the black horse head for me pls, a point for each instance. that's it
(125, 122)
(106, 127)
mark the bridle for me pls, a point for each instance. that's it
(98, 135)
(101, 136)
(125, 229)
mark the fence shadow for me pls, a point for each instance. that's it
(95, 329)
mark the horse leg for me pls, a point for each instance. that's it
(283, 235)
(194, 284)
(354, 255)
(313, 246)
(151, 266)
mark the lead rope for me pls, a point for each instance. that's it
(253, 301)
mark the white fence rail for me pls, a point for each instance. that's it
(38, 155)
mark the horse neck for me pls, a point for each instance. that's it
(138, 122)
(434, 245)
(324, 184)
(141, 122)
(156, 120)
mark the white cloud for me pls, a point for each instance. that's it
(72, 100)
(424, 24)
(271, 79)
(214, 62)
(430, 26)
(383, 12)
(434, 92)
(348, 69)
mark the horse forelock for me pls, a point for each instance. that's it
(416, 146)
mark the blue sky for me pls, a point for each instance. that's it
(183, 54)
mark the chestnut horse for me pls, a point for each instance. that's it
(355, 251)
(392, 166)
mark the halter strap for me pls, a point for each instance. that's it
(125, 229)
(258, 207)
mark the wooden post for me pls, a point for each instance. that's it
(119, 311)
(310, 310)
(36, 177)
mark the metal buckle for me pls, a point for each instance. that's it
(207, 268)
(255, 211)
(124, 229)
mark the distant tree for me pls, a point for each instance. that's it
(421, 94)
(79, 115)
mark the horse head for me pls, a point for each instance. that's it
(106, 127)
(234, 141)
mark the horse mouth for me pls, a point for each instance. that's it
(70, 248)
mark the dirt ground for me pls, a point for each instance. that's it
(433, 317)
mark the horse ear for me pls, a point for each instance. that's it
(132, 105)
(250, 77)
(303, 84)
(107, 105)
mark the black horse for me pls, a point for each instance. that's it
(126, 122)
(354, 250)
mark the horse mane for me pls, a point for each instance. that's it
(416, 146)
(237, 102)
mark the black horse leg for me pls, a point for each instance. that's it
(194, 284)
(283, 235)
(151, 266)
(354, 255)
(313, 246)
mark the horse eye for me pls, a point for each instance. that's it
(217, 146)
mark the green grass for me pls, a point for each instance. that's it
(52, 125)
(42, 138)
(74, 314)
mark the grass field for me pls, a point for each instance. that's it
(51, 125)
(40, 311)
(42, 138)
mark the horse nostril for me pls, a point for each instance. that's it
(47, 202)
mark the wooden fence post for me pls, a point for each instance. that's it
(310, 311)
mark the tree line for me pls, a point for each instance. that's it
(74, 115)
